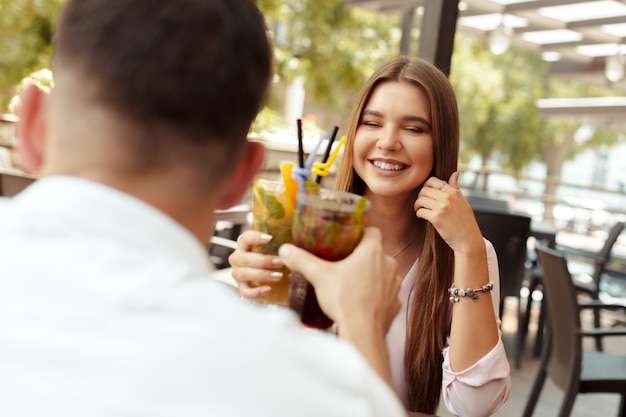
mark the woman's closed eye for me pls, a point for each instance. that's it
(415, 129)
(371, 123)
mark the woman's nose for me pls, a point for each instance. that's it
(388, 140)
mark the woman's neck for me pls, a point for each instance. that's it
(396, 219)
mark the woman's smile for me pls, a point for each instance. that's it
(388, 165)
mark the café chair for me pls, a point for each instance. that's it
(545, 233)
(587, 269)
(508, 234)
(223, 271)
(219, 249)
(229, 224)
(563, 360)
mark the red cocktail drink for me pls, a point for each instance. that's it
(329, 224)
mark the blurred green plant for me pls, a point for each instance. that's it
(333, 46)
(500, 121)
(268, 120)
(26, 28)
(41, 78)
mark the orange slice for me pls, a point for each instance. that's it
(291, 185)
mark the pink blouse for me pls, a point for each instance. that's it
(477, 391)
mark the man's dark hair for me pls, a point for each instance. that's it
(198, 68)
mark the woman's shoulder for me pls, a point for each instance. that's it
(489, 246)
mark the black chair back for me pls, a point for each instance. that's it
(605, 253)
(483, 202)
(508, 233)
(563, 317)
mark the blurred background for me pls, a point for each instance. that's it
(511, 62)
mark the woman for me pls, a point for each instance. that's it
(402, 153)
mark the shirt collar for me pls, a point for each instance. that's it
(102, 210)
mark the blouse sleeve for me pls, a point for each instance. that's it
(481, 389)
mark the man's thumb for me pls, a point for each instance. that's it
(299, 260)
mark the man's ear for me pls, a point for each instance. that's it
(31, 128)
(247, 168)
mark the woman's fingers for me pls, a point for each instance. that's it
(243, 259)
(249, 281)
(443, 205)
(250, 269)
(252, 293)
(249, 238)
(243, 274)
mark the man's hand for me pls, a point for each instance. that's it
(360, 293)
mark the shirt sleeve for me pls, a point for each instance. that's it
(481, 389)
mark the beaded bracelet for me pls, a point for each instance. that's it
(457, 293)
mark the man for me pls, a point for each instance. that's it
(106, 302)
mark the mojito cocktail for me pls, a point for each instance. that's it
(272, 214)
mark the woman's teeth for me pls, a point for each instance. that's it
(388, 167)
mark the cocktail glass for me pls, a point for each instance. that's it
(329, 224)
(272, 214)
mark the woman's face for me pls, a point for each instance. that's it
(393, 146)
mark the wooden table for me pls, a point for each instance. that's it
(12, 182)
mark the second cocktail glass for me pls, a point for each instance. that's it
(273, 214)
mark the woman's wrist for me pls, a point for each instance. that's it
(470, 269)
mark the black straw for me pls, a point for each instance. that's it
(300, 146)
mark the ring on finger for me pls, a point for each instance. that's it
(443, 184)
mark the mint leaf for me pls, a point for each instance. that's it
(274, 208)
(330, 234)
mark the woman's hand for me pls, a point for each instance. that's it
(444, 206)
(249, 267)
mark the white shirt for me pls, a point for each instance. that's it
(477, 391)
(107, 309)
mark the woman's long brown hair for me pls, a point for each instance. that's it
(429, 308)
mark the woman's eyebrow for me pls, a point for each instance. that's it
(372, 113)
(416, 119)
(408, 118)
